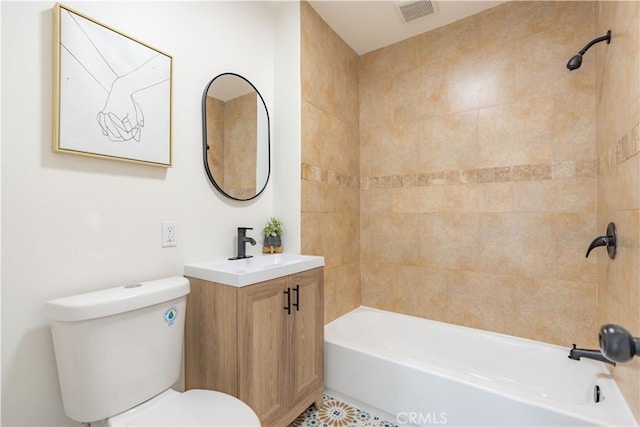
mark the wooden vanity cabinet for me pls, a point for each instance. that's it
(262, 343)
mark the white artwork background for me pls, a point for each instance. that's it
(83, 96)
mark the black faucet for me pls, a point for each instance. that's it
(242, 239)
(577, 353)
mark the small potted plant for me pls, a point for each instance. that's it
(272, 232)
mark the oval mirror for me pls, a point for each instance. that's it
(235, 137)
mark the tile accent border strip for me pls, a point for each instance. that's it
(532, 172)
(318, 174)
(625, 148)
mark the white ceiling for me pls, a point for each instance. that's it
(368, 25)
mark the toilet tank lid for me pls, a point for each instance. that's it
(107, 302)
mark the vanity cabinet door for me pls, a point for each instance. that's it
(263, 362)
(307, 337)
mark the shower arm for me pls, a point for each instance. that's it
(606, 38)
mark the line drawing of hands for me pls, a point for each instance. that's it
(121, 118)
(119, 129)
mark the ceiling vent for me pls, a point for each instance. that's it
(412, 10)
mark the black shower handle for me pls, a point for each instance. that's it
(598, 241)
(610, 241)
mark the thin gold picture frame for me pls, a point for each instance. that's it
(112, 93)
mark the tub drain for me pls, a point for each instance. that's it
(597, 396)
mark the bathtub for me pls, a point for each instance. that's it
(413, 371)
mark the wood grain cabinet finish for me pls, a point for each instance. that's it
(262, 343)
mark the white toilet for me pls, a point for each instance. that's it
(119, 351)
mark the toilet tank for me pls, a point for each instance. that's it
(118, 347)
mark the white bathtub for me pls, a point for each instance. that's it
(414, 371)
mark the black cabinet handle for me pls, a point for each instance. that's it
(297, 303)
(288, 306)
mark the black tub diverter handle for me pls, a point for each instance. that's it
(610, 241)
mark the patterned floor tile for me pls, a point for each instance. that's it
(335, 413)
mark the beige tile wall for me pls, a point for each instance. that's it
(330, 161)
(478, 173)
(485, 168)
(617, 70)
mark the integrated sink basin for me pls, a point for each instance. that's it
(243, 272)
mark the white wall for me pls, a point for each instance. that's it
(72, 224)
(287, 153)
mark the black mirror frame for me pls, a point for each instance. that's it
(205, 145)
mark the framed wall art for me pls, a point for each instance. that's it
(112, 93)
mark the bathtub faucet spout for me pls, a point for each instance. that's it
(576, 353)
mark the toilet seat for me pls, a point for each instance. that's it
(191, 408)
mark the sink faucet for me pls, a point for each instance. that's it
(242, 240)
(577, 353)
